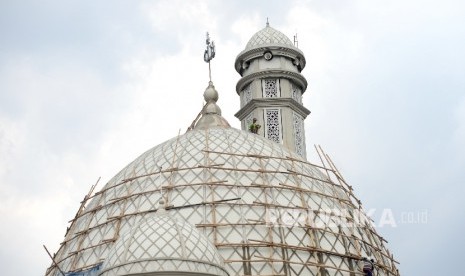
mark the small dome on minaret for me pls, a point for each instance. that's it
(268, 35)
(269, 38)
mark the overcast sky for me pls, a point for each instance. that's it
(87, 86)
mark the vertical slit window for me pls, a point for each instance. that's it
(299, 134)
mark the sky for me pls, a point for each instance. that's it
(87, 86)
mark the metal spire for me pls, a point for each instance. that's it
(209, 54)
(296, 42)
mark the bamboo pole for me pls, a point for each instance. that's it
(56, 265)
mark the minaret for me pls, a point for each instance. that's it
(271, 88)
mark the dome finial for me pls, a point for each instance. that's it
(267, 22)
(209, 54)
(210, 115)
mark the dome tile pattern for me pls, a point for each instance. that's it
(164, 243)
(240, 190)
(268, 35)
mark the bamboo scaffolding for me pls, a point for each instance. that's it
(269, 157)
(171, 170)
(90, 247)
(337, 192)
(224, 202)
(80, 214)
(313, 264)
(53, 261)
(349, 189)
(83, 203)
(81, 207)
(192, 125)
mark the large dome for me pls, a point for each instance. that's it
(267, 211)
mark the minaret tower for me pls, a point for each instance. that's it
(271, 88)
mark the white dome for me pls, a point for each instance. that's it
(163, 244)
(268, 36)
(269, 39)
(233, 186)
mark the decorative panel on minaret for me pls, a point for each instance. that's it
(247, 94)
(273, 125)
(299, 134)
(270, 88)
(296, 93)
